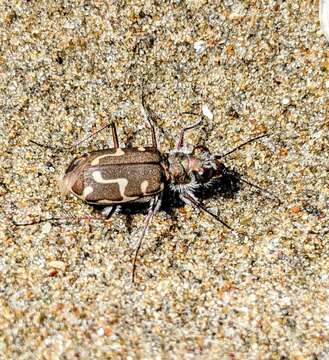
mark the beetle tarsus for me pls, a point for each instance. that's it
(79, 142)
(58, 220)
(114, 135)
(272, 195)
(50, 147)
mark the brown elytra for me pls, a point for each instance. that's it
(115, 176)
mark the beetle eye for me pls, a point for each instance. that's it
(200, 149)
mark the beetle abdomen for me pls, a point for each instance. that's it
(117, 175)
(119, 184)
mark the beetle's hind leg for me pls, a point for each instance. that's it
(149, 121)
(154, 207)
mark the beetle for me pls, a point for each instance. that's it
(123, 176)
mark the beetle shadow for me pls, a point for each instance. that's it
(225, 186)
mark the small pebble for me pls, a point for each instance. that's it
(207, 112)
(100, 332)
(285, 101)
(56, 264)
(199, 47)
(46, 228)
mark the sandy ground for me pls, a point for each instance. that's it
(66, 68)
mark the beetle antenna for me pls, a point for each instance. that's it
(241, 145)
(262, 190)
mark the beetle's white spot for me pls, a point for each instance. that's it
(122, 183)
(144, 186)
(118, 152)
(141, 148)
(87, 191)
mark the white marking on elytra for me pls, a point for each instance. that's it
(118, 152)
(87, 191)
(144, 186)
(141, 148)
(122, 183)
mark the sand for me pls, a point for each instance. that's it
(68, 68)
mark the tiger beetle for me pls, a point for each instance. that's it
(123, 176)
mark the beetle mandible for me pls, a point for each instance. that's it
(122, 176)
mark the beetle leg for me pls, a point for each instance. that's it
(155, 205)
(272, 195)
(77, 143)
(59, 220)
(114, 135)
(148, 119)
(108, 211)
(188, 199)
(180, 143)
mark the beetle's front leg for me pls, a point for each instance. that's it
(190, 199)
(180, 143)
